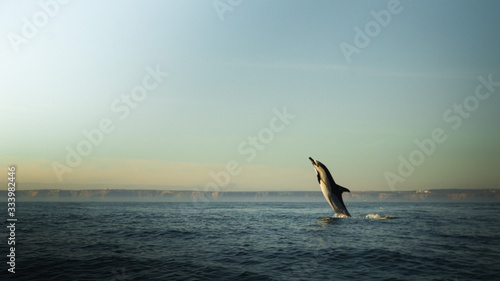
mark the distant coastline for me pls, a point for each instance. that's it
(139, 195)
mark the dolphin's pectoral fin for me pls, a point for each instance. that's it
(319, 178)
(343, 189)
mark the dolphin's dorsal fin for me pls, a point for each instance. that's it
(343, 189)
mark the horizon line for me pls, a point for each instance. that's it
(190, 190)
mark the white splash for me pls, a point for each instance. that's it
(341, 216)
(379, 217)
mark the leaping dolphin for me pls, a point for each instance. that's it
(331, 190)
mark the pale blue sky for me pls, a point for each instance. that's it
(226, 77)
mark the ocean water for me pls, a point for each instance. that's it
(254, 241)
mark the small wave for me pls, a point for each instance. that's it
(379, 217)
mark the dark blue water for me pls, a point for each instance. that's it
(255, 241)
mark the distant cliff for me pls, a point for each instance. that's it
(442, 195)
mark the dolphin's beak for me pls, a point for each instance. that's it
(314, 163)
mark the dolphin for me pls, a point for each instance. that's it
(331, 190)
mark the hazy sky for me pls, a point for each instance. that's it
(248, 90)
